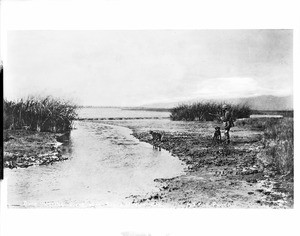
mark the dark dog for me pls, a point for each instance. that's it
(157, 139)
(217, 135)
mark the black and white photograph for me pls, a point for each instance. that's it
(149, 118)
(145, 129)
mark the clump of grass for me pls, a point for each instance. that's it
(207, 111)
(279, 144)
(39, 114)
(278, 140)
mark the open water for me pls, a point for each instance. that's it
(106, 166)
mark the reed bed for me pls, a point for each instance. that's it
(207, 111)
(45, 114)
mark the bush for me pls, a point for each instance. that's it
(39, 114)
(207, 111)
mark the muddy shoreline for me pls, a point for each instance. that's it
(24, 148)
(217, 175)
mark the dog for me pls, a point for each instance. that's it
(156, 138)
(217, 135)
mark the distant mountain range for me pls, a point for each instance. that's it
(264, 102)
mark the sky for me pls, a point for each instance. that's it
(132, 68)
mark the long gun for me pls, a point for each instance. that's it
(216, 115)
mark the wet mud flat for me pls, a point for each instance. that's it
(218, 175)
(23, 148)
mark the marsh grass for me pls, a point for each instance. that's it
(207, 111)
(39, 114)
(278, 140)
(279, 143)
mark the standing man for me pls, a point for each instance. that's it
(227, 120)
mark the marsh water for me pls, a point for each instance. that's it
(106, 165)
(106, 113)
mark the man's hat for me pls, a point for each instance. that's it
(225, 107)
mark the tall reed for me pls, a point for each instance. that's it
(206, 111)
(39, 114)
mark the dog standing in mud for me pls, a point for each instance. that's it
(157, 139)
(217, 135)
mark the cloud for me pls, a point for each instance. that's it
(134, 67)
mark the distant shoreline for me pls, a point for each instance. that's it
(284, 113)
(148, 109)
(132, 108)
(123, 118)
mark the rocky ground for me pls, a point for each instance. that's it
(24, 148)
(217, 175)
